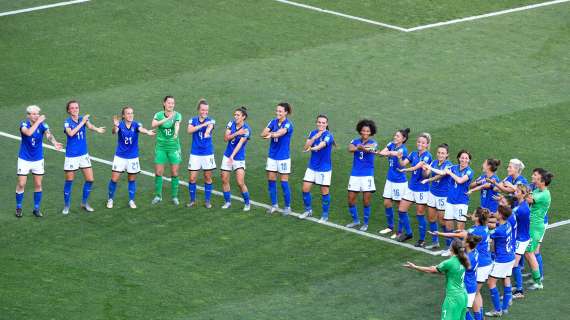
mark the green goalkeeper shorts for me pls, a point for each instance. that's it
(167, 156)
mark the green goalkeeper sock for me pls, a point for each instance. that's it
(158, 186)
(175, 183)
(536, 276)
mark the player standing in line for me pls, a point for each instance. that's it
(486, 184)
(167, 149)
(417, 192)
(455, 304)
(31, 157)
(540, 200)
(201, 153)
(537, 253)
(362, 174)
(320, 143)
(502, 238)
(76, 154)
(514, 177)
(437, 197)
(395, 186)
(127, 153)
(279, 132)
(471, 242)
(522, 213)
(237, 135)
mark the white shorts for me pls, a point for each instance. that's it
(318, 177)
(75, 163)
(236, 164)
(470, 299)
(456, 212)
(280, 166)
(394, 190)
(483, 273)
(26, 167)
(206, 163)
(361, 184)
(420, 197)
(502, 270)
(436, 202)
(131, 166)
(521, 247)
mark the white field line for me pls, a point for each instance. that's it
(261, 205)
(558, 224)
(47, 6)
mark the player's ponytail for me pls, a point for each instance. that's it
(405, 133)
(493, 164)
(472, 240)
(505, 212)
(459, 251)
(481, 215)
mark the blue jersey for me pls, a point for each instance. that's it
(363, 162)
(31, 146)
(128, 140)
(457, 191)
(393, 174)
(201, 145)
(321, 160)
(279, 148)
(471, 273)
(514, 229)
(440, 188)
(483, 246)
(503, 238)
(522, 212)
(487, 195)
(519, 180)
(415, 182)
(77, 144)
(232, 144)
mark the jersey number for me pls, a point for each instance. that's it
(128, 140)
(168, 131)
(361, 156)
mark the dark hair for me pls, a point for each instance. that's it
(472, 240)
(505, 211)
(493, 164)
(545, 175)
(243, 110)
(69, 103)
(125, 108)
(366, 123)
(201, 102)
(444, 146)
(405, 133)
(482, 215)
(288, 108)
(167, 97)
(510, 199)
(459, 251)
(462, 151)
(327, 118)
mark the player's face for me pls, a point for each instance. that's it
(239, 117)
(73, 109)
(129, 115)
(398, 138)
(169, 104)
(203, 110)
(536, 178)
(280, 112)
(33, 116)
(322, 124)
(442, 154)
(511, 170)
(422, 143)
(464, 160)
(365, 132)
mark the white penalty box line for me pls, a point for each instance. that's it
(421, 27)
(47, 6)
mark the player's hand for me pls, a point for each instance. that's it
(58, 146)
(86, 118)
(400, 154)
(434, 233)
(409, 265)
(424, 181)
(100, 130)
(230, 160)
(116, 120)
(41, 118)
(318, 134)
(447, 171)
(469, 192)
(307, 149)
(150, 132)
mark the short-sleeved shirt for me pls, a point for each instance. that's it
(483, 246)
(232, 144)
(165, 134)
(454, 274)
(321, 160)
(471, 273)
(128, 140)
(363, 162)
(201, 145)
(522, 212)
(487, 195)
(457, 191)
(519, 180)
(415, 182)
(502, 237)
(394, 175)
(31, 146)
(76, 144)
(279, 148)
(440, 188)
(540, 207)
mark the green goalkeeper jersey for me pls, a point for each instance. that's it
(454, 275)
(165, 139)
(539, 207)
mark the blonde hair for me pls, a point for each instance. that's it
(517, 164)
(33, 108)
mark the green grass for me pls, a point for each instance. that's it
(495, 86)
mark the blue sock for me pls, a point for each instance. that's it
(507, 296)
(86, 191)
(539, 260)
(227, 196)
(447, 240)
(132, 189)
(433, 228)
(207, 192)
(366, 214)
(468, 315)
(37, 199)
(353, 213)
(67, 192)
(192, 191)
(400, 224)
(521, 263)
(307, 201)
(390, 217)
(478, 315)
(272, 186)
(245, 196)
(112, 188)
(422, 226)
(19, 200)
(495, 298)
(286, 193)
(326, 199)
(403, 216)
(517, 275)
